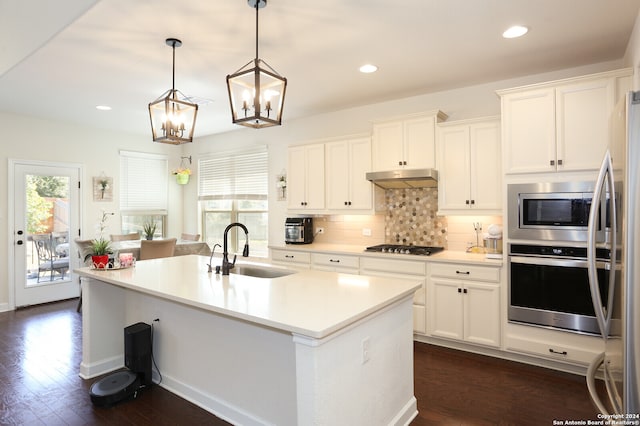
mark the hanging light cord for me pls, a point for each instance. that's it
(173, 70)
(257, 4)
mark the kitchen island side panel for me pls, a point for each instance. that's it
(102, 328)
(362, 375)
(238, 371)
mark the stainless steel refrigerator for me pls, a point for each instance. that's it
(618, 307)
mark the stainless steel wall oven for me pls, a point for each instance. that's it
(549, 286)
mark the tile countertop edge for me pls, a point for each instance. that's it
(446, 256)
(111, 277)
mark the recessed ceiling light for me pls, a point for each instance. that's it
(103, 107)
(368, 68)
(515, 31)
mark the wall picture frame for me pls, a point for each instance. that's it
(102, 188)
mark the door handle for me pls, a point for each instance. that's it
(19, 242)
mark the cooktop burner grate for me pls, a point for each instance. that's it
(404, 249)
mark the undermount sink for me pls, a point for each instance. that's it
(260, 271)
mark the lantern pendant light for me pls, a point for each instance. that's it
(173, 115)
(256, 91)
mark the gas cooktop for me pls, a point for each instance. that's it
(401, 249)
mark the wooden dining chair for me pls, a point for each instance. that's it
(125, 237)
(190, 237)
(154, 249)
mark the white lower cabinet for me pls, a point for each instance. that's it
(402, 269)
(335, 263)
(297, 259)
(464, 303)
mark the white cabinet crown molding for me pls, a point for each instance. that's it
(619, 73)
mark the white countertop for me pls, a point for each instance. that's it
(309, 302)
(443, 256)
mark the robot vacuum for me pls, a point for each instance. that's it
(114, 388)
(125, 385)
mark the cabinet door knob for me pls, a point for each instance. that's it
(473, 202)
(552, 163)
(459, 290)
(399, 163)
(404, 163)
(559, 162)
(464, 291)
(466, 202)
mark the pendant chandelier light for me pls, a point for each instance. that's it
(173, 116)
(256, 91)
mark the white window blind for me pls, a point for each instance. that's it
(143, 182)
(237, 175)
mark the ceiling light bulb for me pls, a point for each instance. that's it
(368, 68)
(515, 31)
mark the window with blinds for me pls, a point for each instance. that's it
(234, 176)
(232, 187)
(144, 180)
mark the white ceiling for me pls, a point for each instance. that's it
(60, 59)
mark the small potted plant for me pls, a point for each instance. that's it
(182, 175)
(149, 229)
(100, 250)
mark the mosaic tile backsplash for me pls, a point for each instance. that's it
(411, 218)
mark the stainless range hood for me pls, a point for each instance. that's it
(404, 178)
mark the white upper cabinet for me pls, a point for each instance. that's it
(305, 183)
(559, 126)
(469, 167)
(347, 162)
(407, 142)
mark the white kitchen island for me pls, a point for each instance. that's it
(311, 348)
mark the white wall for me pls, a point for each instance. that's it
(28, 138)
(632, 55)
(97, 150)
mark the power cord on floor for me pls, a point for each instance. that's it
(152, 357)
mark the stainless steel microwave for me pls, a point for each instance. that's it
(554, 211)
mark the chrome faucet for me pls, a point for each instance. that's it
(213, 250)
(226, 266)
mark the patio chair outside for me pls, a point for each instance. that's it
(48, 261)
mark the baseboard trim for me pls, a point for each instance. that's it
(215, 406)
(407, 414)
(89, 371)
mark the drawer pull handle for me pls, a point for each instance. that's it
(557, 352)
(334, 260)
(288, 256)
(463, 272)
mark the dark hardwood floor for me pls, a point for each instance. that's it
(40, 351)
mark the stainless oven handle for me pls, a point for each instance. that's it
(566, 263)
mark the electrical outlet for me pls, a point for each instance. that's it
(319, 231)
(366, 232)
(366, 347)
